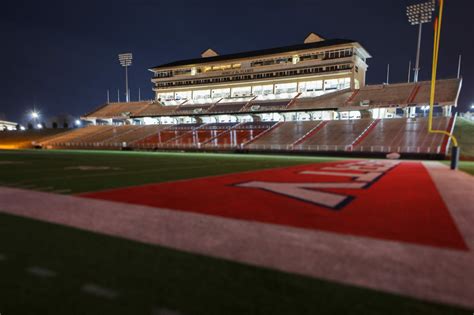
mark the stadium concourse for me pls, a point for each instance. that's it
(233, 234)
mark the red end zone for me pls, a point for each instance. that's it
(379, 199)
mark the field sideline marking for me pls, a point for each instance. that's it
(41, 272)
(429, 273)
(97, 290)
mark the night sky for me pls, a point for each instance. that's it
(61, 56)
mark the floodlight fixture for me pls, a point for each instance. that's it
(39, 126)
(126, 61)
(78, 122)
(34, 115)
(419, 14)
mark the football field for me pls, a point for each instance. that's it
(90, 232)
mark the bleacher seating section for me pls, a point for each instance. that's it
(22, 139)
(446, 92)
(267, 105)
(336, 133)
(156, 109)
(372, 96)
(240, 135)
(367, 135)
(118, 110)
(199, 136)
(287, 133)
(331, 100)
(223, 108)
(405, 135)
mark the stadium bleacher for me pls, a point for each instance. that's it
(192, 109)
(240, 135)
(18, 139)
(332, 100)
(229, 107)
(267, 105)
(408, 135)
(201, 135)
(164, 137)
(446, 92)
(288, 133)
(404, 135)
(118, 110)
(156, 109)
(133, 135)
(335, 134)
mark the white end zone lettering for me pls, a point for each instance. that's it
(363, 174)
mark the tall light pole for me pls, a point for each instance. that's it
(418, 14)
(35, 115)
(126, 61)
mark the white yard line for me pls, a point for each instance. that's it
(41, 272)
(99, 291)
(430, 273)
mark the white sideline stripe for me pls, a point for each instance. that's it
(424, 272)
(164, 311)
(99, 291)
(457, 195)
(41, 272)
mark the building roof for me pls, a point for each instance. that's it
(256, 53)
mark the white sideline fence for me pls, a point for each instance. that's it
(253, 147)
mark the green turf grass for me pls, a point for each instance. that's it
(467, 167)
(146, 277)
(47, 170)
(464, 132)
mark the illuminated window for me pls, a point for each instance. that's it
(311, 86)
(262, 89)
(184, 95)
(193, 71)
(285, 88)
(337, 84)
(241, 91)
(221, 93)
(201, 94)
(165, 96)
(295, 59)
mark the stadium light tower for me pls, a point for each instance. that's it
(35, 116)
(418, 14)
(126, 61)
